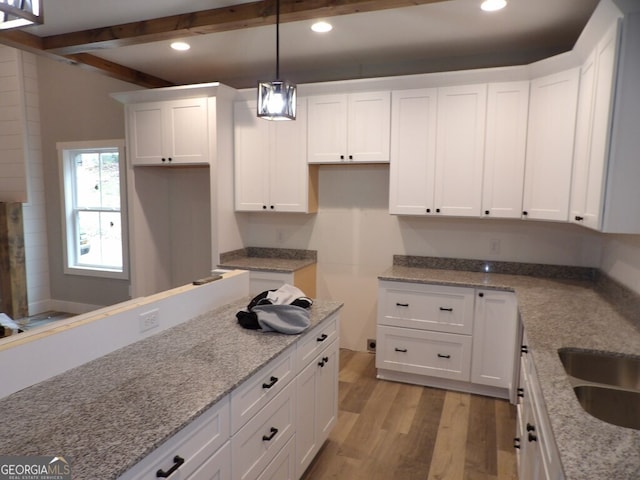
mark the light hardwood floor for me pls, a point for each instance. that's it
(394, 431)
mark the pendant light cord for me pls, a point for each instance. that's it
(277, 39)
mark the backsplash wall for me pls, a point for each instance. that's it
(356, 239)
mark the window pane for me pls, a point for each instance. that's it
(97, 180)
(100, 239)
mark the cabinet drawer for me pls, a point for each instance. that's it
(195, 444)
(260, 440)
(283, 466)
(434, 354)
(217, 467)
(315, 341)
(256, 392)
(426, 307)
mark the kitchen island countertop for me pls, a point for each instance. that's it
(559, 313)
(108, 414)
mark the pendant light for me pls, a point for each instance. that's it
(20, 13)
(277, 98)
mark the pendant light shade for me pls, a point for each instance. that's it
(277, 98)
(20, 13)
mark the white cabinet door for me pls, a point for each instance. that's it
(494, 339)
(349, 128)
(599, 148)
(583, 140)
(170, 132)
(505, 148)
(271, 171)
(551, 129)
(289, 172)
(369, 125)
(413, 151)
(460, 150)
(252, 158)
(317, 397)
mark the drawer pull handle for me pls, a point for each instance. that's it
(532, 437)
(531, 428)
(440, 355)
(516, 442)
(323, 362)
(521, 392)
(177, 461)
(403, 350)
(268, 438)
(322, 337)
(524, 349)
(272, 382)
(446, 309)
(398, 304)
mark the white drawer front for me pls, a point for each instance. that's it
(194, 444)
(260, 440)
(217, 467)
(256, 392)
(315, 341)
(426, 307)
(435, 354)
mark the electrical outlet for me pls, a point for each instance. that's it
(371, 344)
(149, 320)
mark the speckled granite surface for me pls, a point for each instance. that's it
(559, 313)
(108, 414)
(268, 259)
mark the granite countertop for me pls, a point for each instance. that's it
(557, 313)
(268, 259)
(107, 415)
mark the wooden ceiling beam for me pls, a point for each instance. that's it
(217, 20)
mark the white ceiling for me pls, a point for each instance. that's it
(450, 35)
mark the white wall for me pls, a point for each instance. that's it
(356, 239)
(75, 106)
(621, 259)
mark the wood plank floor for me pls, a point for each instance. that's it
(394, 431)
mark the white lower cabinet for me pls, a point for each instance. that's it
(537, 453)
(451, 337)
(317, 397)
(269, 428)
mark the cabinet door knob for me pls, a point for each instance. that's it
(272, 207)
(578, 218)
(428, 210)
(341, 157)
(264, 207)
(525, 213)
(437, 210)
(486, 212)
(481, 294)
(350, 157)
(164, 159)
(170, 159)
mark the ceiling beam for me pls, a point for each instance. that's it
(34, 44)
(217, 20)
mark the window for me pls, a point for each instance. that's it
(93, 217)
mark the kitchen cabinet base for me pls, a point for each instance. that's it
(443, 383)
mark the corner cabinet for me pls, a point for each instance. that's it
(168, 132)
(549, 161)
(458, 338)
(349, 128)
(271, 171)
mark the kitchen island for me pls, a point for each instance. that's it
(108, 414)
(569, 310)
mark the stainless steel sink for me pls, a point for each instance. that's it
(602, 367)
(618, 407)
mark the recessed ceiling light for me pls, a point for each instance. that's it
(180, 46)
(321, 27)
(493, 5)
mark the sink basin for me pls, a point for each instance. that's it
(618, 407)
(601, 367)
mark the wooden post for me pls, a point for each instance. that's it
(13, 274)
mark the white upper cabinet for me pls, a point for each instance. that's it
(460, 132)
(592, 135)
(505, 149)
(413, 151)
(271, 172)
(169, 132)
(349, 128)
(551, 129)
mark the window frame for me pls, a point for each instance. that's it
(68, 207)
